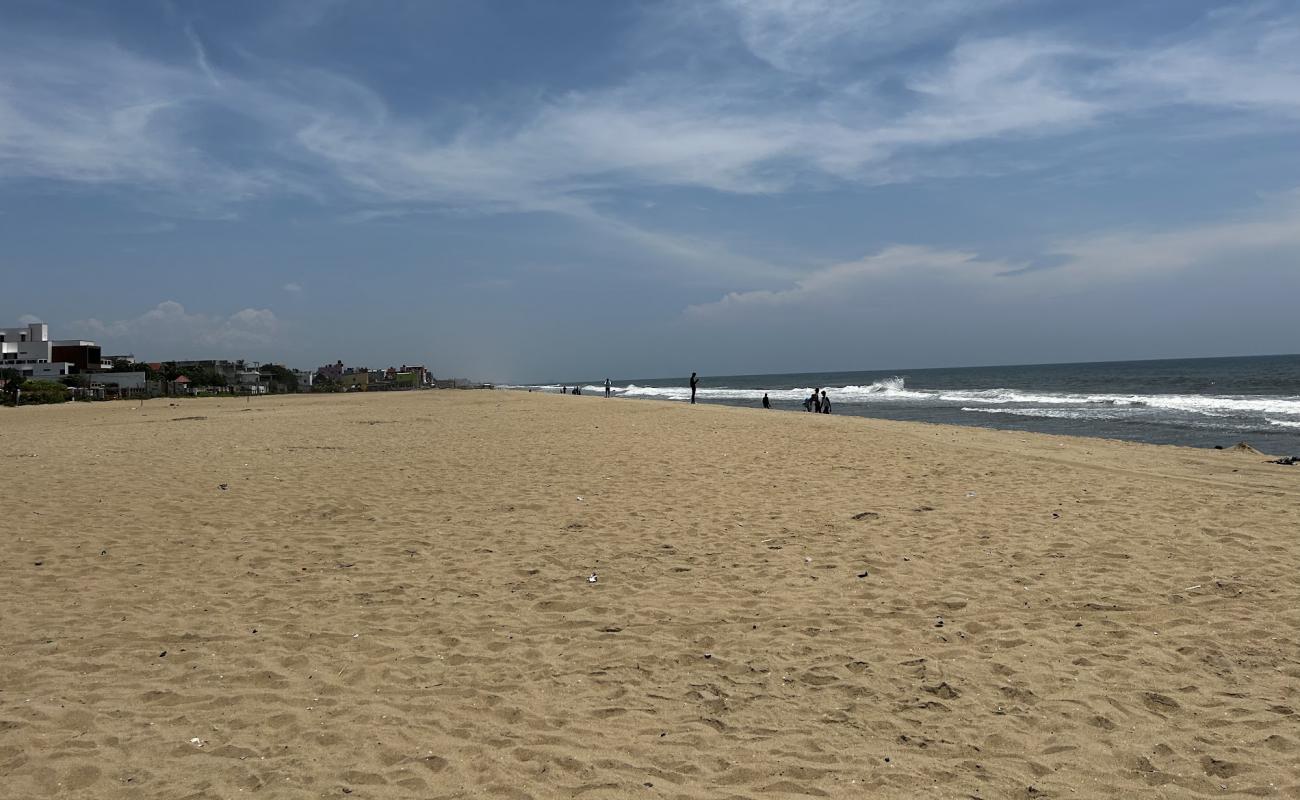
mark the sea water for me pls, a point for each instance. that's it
(1200, 402)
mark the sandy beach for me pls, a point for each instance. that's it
(389, 596)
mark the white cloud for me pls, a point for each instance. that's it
(1244, 59)
(1225, 245)
(106, 116)
(170, 327)
(852, 283)
(29, 319)
(1269, 238)
(111, 116)
(810, 36)
(293, 288)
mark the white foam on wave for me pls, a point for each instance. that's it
(1283, 411)
(1209, 405)
(890, 388)
(1242, 425)
(1048, 413)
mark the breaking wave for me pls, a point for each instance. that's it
(1210, 405)
(890, 388)
(894, 390)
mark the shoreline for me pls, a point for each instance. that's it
(1082, 438)
(1198, 402)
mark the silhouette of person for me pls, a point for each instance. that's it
(695, 382)
(609, 387)
(766, 403)
(826, 403)
(817, 401)
(808, 402)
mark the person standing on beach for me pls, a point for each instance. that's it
(808, 402)
(766, 403)
(817, 401)
(826, 403)
(695, 382)
(609, 387)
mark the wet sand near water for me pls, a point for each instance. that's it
(388, 596)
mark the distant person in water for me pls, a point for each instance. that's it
(695, 382)
(609, 387)
(564, 390)
(826, 403)
(766, 403)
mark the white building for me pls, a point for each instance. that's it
(249, 381)
(30, 351)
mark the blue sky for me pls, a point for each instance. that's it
(524, 190)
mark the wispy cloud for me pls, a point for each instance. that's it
(1244, 57)
(201, 56)
(293, 288)
(114, 117)
(816, 36)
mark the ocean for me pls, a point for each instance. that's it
(1202, 402)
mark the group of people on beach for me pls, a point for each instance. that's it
(817, 404)
(609, 389)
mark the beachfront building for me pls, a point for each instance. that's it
(29, 351)
(355, 380)
(331, 372)
(250, 381)
(305, 379)
(422, 375)
(124, 382)
(82, 355)
(240, 376)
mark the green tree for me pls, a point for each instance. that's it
(205, 376)
(13, 382)
(282, 378)
(121, 365)
(198, 375)
(323, 383)
(42, 392)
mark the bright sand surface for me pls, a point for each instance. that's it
(387, 596)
